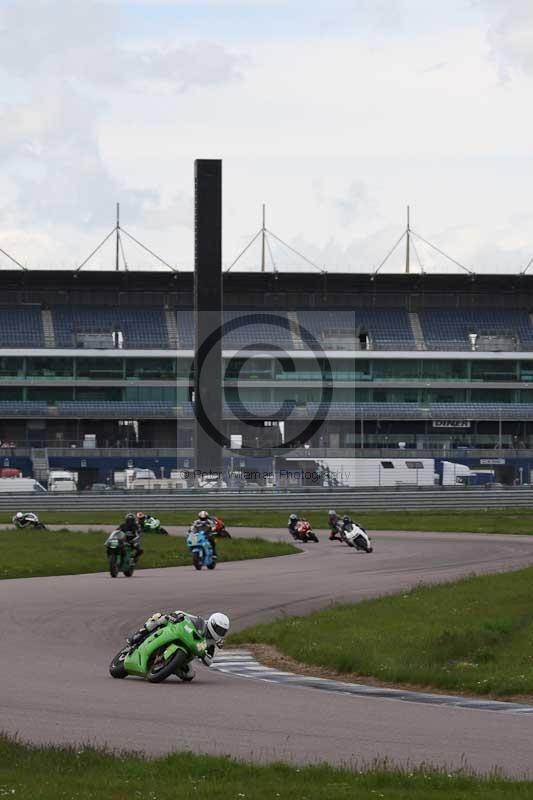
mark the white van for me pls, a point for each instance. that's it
(27, 485)
(61, 480)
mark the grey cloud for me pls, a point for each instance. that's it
(60, 63)
(510, 34)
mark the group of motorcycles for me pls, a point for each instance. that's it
(352, 534)
(120, 551)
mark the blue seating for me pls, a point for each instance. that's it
(141, 327)
(445, 327)
(21, 326)
(386, 327)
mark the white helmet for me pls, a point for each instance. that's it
(19, 515)
(218, 626)
(203, 515)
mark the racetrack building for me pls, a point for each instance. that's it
(339, 365)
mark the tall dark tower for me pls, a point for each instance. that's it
(208, 314)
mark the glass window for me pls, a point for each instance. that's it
(100, 393)
(156, 369)
(100, 368)
(395, 369)
(493, 370)
(445, 396)
(49, 394)
(12, 367)
(11, 393)
(526, 370)
(492, 395)
(396, 396)
(49, 367)
(171, 394)
(250, 369)
(442, 369)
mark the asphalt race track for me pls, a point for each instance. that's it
(59, 634)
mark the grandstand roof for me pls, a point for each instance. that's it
(459, 290)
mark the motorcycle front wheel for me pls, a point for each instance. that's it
(197, 560)
(163, 531)
(116, 668)
(160, 668)
(113, 565)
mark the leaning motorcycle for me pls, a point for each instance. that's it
(31, 521)
(153, 525)
(219, 529)
(201, 549)
(167, 651)
(305, 532)
(119, 555)
(356, 536)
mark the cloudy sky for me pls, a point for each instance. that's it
(335, 113)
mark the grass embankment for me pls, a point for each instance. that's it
(510, 520)
(87, 774)
(471, 636)
(30, 554)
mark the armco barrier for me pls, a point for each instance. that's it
(319, 499)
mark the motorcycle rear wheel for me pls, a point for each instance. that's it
(170, 665)
(129, 572)
(116, 668)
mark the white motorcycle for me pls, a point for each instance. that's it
(28, 520)
(356, 536)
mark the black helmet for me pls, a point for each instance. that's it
(346, 518)
(130, 515)
(293, 516)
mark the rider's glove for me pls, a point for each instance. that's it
(153, 621)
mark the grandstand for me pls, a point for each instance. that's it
(437, 364)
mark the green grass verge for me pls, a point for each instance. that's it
(472, 635)
(88, 774)
(510, 520)
(30, 554)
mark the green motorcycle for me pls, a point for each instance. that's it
(153, 525)
(167, 651)
(119, 555)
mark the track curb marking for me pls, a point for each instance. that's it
(242, 664)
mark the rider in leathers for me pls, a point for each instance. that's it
(131, 528)
(206, 522)
(25, 520)
(214, 628)
(292, 525)
(334, 523)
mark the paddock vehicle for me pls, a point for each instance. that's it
(356, 536)
(201, 549)
(220, 529)
(304, 532)
(28, 520)
(167, 651)
(119, 554)
(153, 525)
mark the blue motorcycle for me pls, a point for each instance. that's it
(201, 549)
